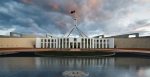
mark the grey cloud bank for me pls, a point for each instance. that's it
(95, 17)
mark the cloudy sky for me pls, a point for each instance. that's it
(95, 17)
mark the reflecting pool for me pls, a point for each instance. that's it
(94, 67)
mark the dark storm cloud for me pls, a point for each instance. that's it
(95, 17)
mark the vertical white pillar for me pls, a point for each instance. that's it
(99, 42)
(106, 43)
(50, 43)
(95, 43)
(59, 43)
(102, 43)
(43, 42)
(38, 43)
(46, 43)
(66, 43)
(111, 42)
(73, 43)
(62, 43)
(80, 42)
(87, 42)
(69, 42)
(90, 43)
(83, 43)
(56, 43)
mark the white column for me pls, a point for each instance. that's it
(59, 42)
(56, 42)
(111, 42)
(102, 43)
(95, 43)
(43, 42)
(106, 43)
(69, 42)
(53, 43)
(83, 43)
(87, 42)
(49, 43)
(62, 43)
(38, 43)
(90, 42)
(99, 43)
(46, 43)
(66, 42)
(73, 43)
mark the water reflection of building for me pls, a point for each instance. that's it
(75, 62)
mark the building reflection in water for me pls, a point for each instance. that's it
(54, 66)
(75, 62)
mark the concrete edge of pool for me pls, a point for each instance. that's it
(124, 51)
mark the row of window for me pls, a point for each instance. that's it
(75, 44)
(67, 40)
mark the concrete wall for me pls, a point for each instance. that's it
(132, 42)
(17, 42)
(119, 42)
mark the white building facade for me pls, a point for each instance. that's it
(75, 43)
